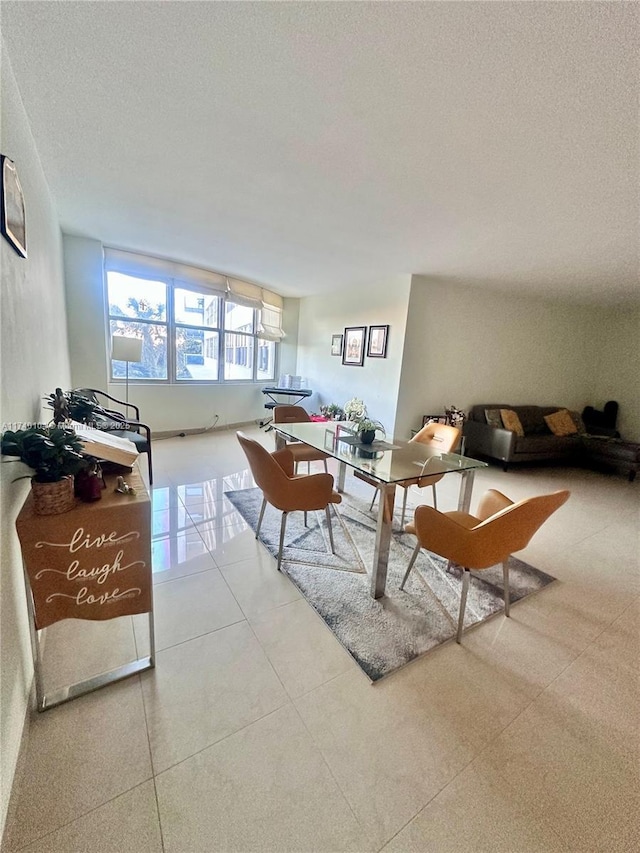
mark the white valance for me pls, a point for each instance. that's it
(244, 293)
(146, 266)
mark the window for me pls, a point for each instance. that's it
(191, 332)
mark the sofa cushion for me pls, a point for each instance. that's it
(532, 419)
(561, 423)
(580, 425)
(511, 421)
(494, 418)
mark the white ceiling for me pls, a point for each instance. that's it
(317, 146)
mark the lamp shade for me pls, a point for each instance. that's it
(126, 349)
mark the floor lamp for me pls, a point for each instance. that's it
(126, 349)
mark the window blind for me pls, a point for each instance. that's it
(145, 266)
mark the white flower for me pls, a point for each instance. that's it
(355, 409)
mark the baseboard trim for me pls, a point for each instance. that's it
(179, 433)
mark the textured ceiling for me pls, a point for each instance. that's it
(317, 146)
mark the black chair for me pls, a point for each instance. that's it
(601, 423)
(119, 422)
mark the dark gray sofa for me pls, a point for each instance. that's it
(537, 445)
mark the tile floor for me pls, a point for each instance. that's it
(256, 731)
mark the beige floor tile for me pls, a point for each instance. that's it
(574, 754)
(77, 649)
(187, 608)
(302, 649)
(258, 585)
(265, 788)
(228, 546)
(476, 812)
(127, 824)
(393, 746)
(205, 689)
(79, 756)
(176, 556)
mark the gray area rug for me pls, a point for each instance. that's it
(381, 635)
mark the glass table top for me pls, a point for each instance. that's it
(387, 460)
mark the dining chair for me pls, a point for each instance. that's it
(436, 435)
(286, 491)
(301, 452)
(499, 528)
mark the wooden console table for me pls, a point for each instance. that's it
(92, 563)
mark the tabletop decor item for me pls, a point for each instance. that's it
(355, 409)
(367, 430)
(55, 454)
(332, 411)
(12, 220)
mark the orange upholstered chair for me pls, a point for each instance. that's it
(300, 452)
(439, 436)
(480, 541)
(273, 473)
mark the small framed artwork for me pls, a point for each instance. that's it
(378, 336)
(13, 223)
(353, 345)
(336, 344)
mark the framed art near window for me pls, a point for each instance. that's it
(353, 345)
(336, 344)
(13, 222)
(378, 336)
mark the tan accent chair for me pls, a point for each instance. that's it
(273, 473)
(440, 436)
(480, 541)
(301, 452)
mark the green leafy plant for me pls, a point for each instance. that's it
(52, 452)
(332, 411)
(367, 425)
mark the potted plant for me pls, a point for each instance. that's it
(72, 405)
(367, 430)
(55, 454)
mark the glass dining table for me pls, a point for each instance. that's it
(389, 464)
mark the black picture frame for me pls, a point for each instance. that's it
(353, 345)
(377, 344)
(13, 217)
(336, 344)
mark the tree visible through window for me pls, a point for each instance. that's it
(188, 335)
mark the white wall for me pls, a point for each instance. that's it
(464, 347)
(166, 408)
(381, 303)
(34, 360)
(614, 348)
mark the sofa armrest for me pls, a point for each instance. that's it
(489, 441)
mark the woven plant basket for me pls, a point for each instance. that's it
(53, 498)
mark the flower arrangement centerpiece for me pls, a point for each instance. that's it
(356, 411)
(455, 417)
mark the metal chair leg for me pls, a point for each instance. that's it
(435, 499)
(305, 518)
(414, 557)
(309, 467)
(505, 575)
(328, 514)
(283, 524)
(404, 508)
(373, 499)
(326, 470)
(463, 603)
(262, 509)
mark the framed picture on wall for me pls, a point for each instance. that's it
(353, 345)
(378, 336)
(13, 222)
(336, 344)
